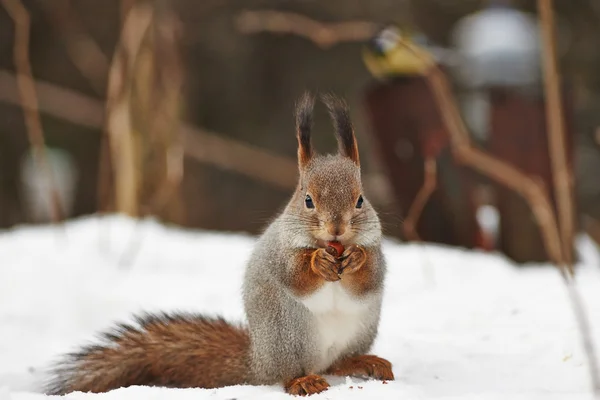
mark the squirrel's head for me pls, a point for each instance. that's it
(329, 203)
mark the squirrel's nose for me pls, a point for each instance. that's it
(335, 229)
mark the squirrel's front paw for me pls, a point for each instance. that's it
(353, 258)
(325, 265)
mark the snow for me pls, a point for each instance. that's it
(456, 324)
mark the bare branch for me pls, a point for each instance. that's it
(124, 7)
(586, 335)
(239, 157)
(28, 98)
(54, 100)
(562, 180)
(555, 125)
(123, 145)
(86, 54)
(530, 189)
(199, 144)
(322, 34)
(418, 204)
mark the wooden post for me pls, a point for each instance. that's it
(408, 129)
(518, 135)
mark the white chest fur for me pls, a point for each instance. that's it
(339, 319)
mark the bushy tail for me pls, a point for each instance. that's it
(164, 350)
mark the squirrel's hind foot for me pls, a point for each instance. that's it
(364, 365)
(306, 385)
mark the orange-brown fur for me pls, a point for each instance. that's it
(304, 280)
(363, 365)
(181, 351)
(325, 265)
(362, 279)
(314, 267)
(306, 385)
(353, 259)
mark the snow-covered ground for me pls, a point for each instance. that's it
(456, 325)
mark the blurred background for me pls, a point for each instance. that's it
(183, 110)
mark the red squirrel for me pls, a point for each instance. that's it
(312, 295)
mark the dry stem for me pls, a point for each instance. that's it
(490, 166)
(585, 332)
(86, 54)
(124, 7)
(533, 193)
(322, 34)
(201, 145)
(555, 125)
(92, 63)
(418, 204)
(562, 181)
(123, 146)
(530, 189)
(28, 97)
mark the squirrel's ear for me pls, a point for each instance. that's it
(338, 110)
(304, 111)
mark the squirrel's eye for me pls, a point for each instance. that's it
(359, 203)
(309, 202)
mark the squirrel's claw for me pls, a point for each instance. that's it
(325, 265)
(306, 385)
(364, 365)
(352, 260)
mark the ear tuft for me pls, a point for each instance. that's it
(304, 119)
(344, 131)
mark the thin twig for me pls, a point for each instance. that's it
(324, 35)
(415, 210)
(134, 245)
(28, 97)
(84, 51)
(104, 175)
(204, 146)
(556, 128)
(586, 336)
(56, 101)
(236, 156)
(165, 111)
(562, 180)
(530, 189)
(93, 64)
(418, 204)
(123, 146)
(155, 89)
(124, 7)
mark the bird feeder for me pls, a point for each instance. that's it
(500, 65)
(410, 134)
(498, 46)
